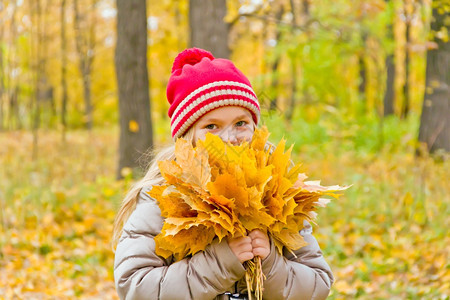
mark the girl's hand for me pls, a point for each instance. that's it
(246, 247)
(260, 243)
(241, 247)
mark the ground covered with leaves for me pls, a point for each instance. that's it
(387, 238)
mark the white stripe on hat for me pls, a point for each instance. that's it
(228, 92)
(210, 85)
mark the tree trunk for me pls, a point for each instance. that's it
(290, 111)
(362, 73)
(275, 76)
(12, 85)
(389, 92)
(208, 29)
(406, 100)
(14, 117)
(49, 94)
(306, 7)
(87, 96)
(132, 81)
(39, 72)
(85, 42)
(434, 128)
(2, 81)
(63, 69)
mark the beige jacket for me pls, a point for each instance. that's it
(141, 274)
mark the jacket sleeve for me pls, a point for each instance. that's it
(304, 277)
(141, 274)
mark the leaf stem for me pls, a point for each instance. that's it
(254, 278)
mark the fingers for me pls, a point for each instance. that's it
(260, 243)
(254, 234)
(257, 243)
(242, 241)
(261, 252)
(244, 256)
(242, 248)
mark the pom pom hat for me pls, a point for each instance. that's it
(200, 83)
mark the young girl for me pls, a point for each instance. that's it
(208, 95)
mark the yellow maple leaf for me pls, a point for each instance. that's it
(194, 164)
(227, 186)
(173, 204)
(133, 126)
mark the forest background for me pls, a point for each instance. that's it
(350, 83)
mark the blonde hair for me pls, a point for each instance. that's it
(151, 178)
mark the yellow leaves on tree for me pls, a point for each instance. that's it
(217, 189)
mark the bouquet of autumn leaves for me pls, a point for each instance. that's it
(217, 189)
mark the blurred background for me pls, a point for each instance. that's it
(361, 88)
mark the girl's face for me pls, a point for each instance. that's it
(232, 124)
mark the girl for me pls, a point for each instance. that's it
(208, 95)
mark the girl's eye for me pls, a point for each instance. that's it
(210, 126)
(240, 123)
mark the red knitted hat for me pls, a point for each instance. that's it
(200, 83)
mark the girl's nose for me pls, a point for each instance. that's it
(229, 135)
